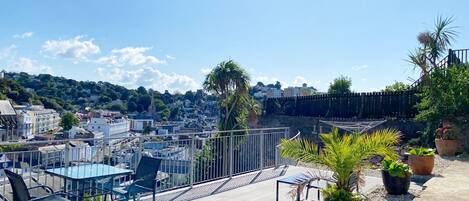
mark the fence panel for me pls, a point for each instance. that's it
(400, 104)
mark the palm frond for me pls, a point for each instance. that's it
(301, 150)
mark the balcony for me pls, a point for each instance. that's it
(230, 165)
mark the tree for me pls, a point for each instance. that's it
(69, 120)
(340, 85)
(433, 45)
(278, 85)
(231, 84)
(345, 155)
(397, 86)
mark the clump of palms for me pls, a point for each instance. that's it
(433, 45)
(345, 155)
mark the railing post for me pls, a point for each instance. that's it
(192, 161)
(139, 152)
(286, 133)
(261, 151)
(67, 154)
(450, 57)
(231, 154)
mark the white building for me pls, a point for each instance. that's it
(291, 91)
(111, 127)
(141, 124)
(299, 91)
(274, 93)
(42, 120)
(25, 124)
(78, 151)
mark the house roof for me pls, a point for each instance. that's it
(6, 109)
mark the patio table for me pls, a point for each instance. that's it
(88, 172)
(298, 180)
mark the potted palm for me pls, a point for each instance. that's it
(446, 140)
(345, 155)
(396, 176)
(422, 160)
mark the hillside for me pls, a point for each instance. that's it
(71, 95)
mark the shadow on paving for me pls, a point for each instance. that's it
(219, 186)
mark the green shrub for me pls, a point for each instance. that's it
(421, 151)
(332, 193)
(443, 98)
(396, 168)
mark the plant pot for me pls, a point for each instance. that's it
(421, 165)
(446, 147)
(395, 185)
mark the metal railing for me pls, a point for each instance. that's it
(187, 158)
(453, 57)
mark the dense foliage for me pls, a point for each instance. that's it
(340, 85)
(67, 94)
(396, 86)
(444, 98)
(69, 120)
(345, 155)
(396, 168)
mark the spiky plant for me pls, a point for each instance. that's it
(433, 45)
(345, 155)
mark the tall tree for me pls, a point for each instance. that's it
(68, 121)
(433, 45)
(230, 83)
(340, 85)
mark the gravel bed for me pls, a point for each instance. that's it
(416, 186)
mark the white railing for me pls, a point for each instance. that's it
(187, 158)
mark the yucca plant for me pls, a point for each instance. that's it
(345, 155)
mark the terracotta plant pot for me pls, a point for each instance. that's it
(446, 147)
(421, 165)
(395, 185)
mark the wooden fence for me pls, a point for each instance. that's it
(373, 105)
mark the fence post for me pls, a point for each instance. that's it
(261, 151)
(192, 161)
(231, 154)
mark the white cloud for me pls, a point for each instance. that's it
(74, 48)
(299, 80)
(29, 66)
(134, 56)
(149, 77)
(24, 35)
(360, 67)
(8, 52)
(170, 57)
(205, 71)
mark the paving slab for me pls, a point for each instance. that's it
(451, 185)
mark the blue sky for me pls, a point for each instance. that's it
(172, 44)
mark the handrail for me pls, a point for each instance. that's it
(292, 138)
(135, 137)
(445, 62)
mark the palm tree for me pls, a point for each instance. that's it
(344, 155)
(230, 83)
(433, 45)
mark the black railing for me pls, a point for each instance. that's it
(453, 57)
(373, 105)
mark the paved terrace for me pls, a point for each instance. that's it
(256, 186)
